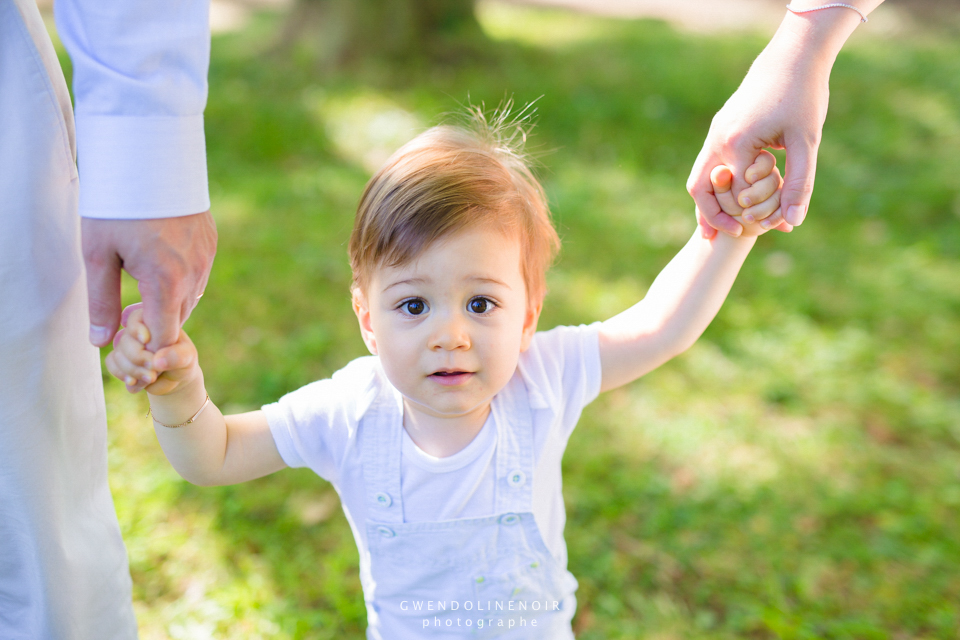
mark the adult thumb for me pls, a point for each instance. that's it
(801, 170)
(103, 295)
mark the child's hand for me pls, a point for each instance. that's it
(159, 373)
(757, 202)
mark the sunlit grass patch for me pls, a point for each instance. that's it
(365, 128)
(540, 27)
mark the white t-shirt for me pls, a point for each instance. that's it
(316, 427)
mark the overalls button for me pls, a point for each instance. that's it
(517, 478)
(384, 499)
(509, 518)
(386, 532)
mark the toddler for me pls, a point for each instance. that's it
(445, 445)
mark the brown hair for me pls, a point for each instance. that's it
(451, 178)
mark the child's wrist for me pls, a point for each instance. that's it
(181, 403)
(743, 242)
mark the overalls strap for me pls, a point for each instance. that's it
(514, 458)
(380, 433)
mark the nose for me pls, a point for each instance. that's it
(449, 333)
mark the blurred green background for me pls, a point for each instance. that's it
(794, 475)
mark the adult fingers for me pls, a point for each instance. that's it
(163, 300)
(171, 260)
(706, 231)
(701, 190)
(798, 183)
(719, 220)
(129, 309)
(775, 221)
(194, 299)
(704, 201)
(103, 284)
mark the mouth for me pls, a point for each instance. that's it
(450, 377)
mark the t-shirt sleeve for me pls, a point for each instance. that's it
(316, 425)
(562, 371)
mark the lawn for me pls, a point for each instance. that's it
(794, 475)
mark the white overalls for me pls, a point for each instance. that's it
(63, 567)
(486, 570)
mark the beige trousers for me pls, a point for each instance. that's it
(63, 566)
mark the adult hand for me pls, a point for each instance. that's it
(169, 257)
(781, 104)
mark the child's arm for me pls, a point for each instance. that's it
(213, 449)
(687, 294)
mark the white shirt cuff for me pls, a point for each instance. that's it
(134, 167)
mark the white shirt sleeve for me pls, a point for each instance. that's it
(140, 87)
(562, 372)
(316, 425)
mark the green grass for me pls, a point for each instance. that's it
(794, 475)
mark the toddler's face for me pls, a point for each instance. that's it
(449, 327)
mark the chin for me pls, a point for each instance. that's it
(450, 410)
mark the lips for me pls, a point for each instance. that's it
(450, 377)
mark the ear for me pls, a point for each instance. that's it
(362, 309)
(530, 325)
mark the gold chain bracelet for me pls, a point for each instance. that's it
(182, 424)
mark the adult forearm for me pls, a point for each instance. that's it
(819, 35)
(811, 38)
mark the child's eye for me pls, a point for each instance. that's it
(414, 307)
(480, 305)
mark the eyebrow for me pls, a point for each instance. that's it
(422, 281)
(490, 280)
(400, 282)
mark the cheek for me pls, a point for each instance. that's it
(401, 366)
(503, 350)
(402, 347)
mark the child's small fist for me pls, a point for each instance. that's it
(757, 208)
(130, 361)
(159, 373)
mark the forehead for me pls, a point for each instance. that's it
(472, 255)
